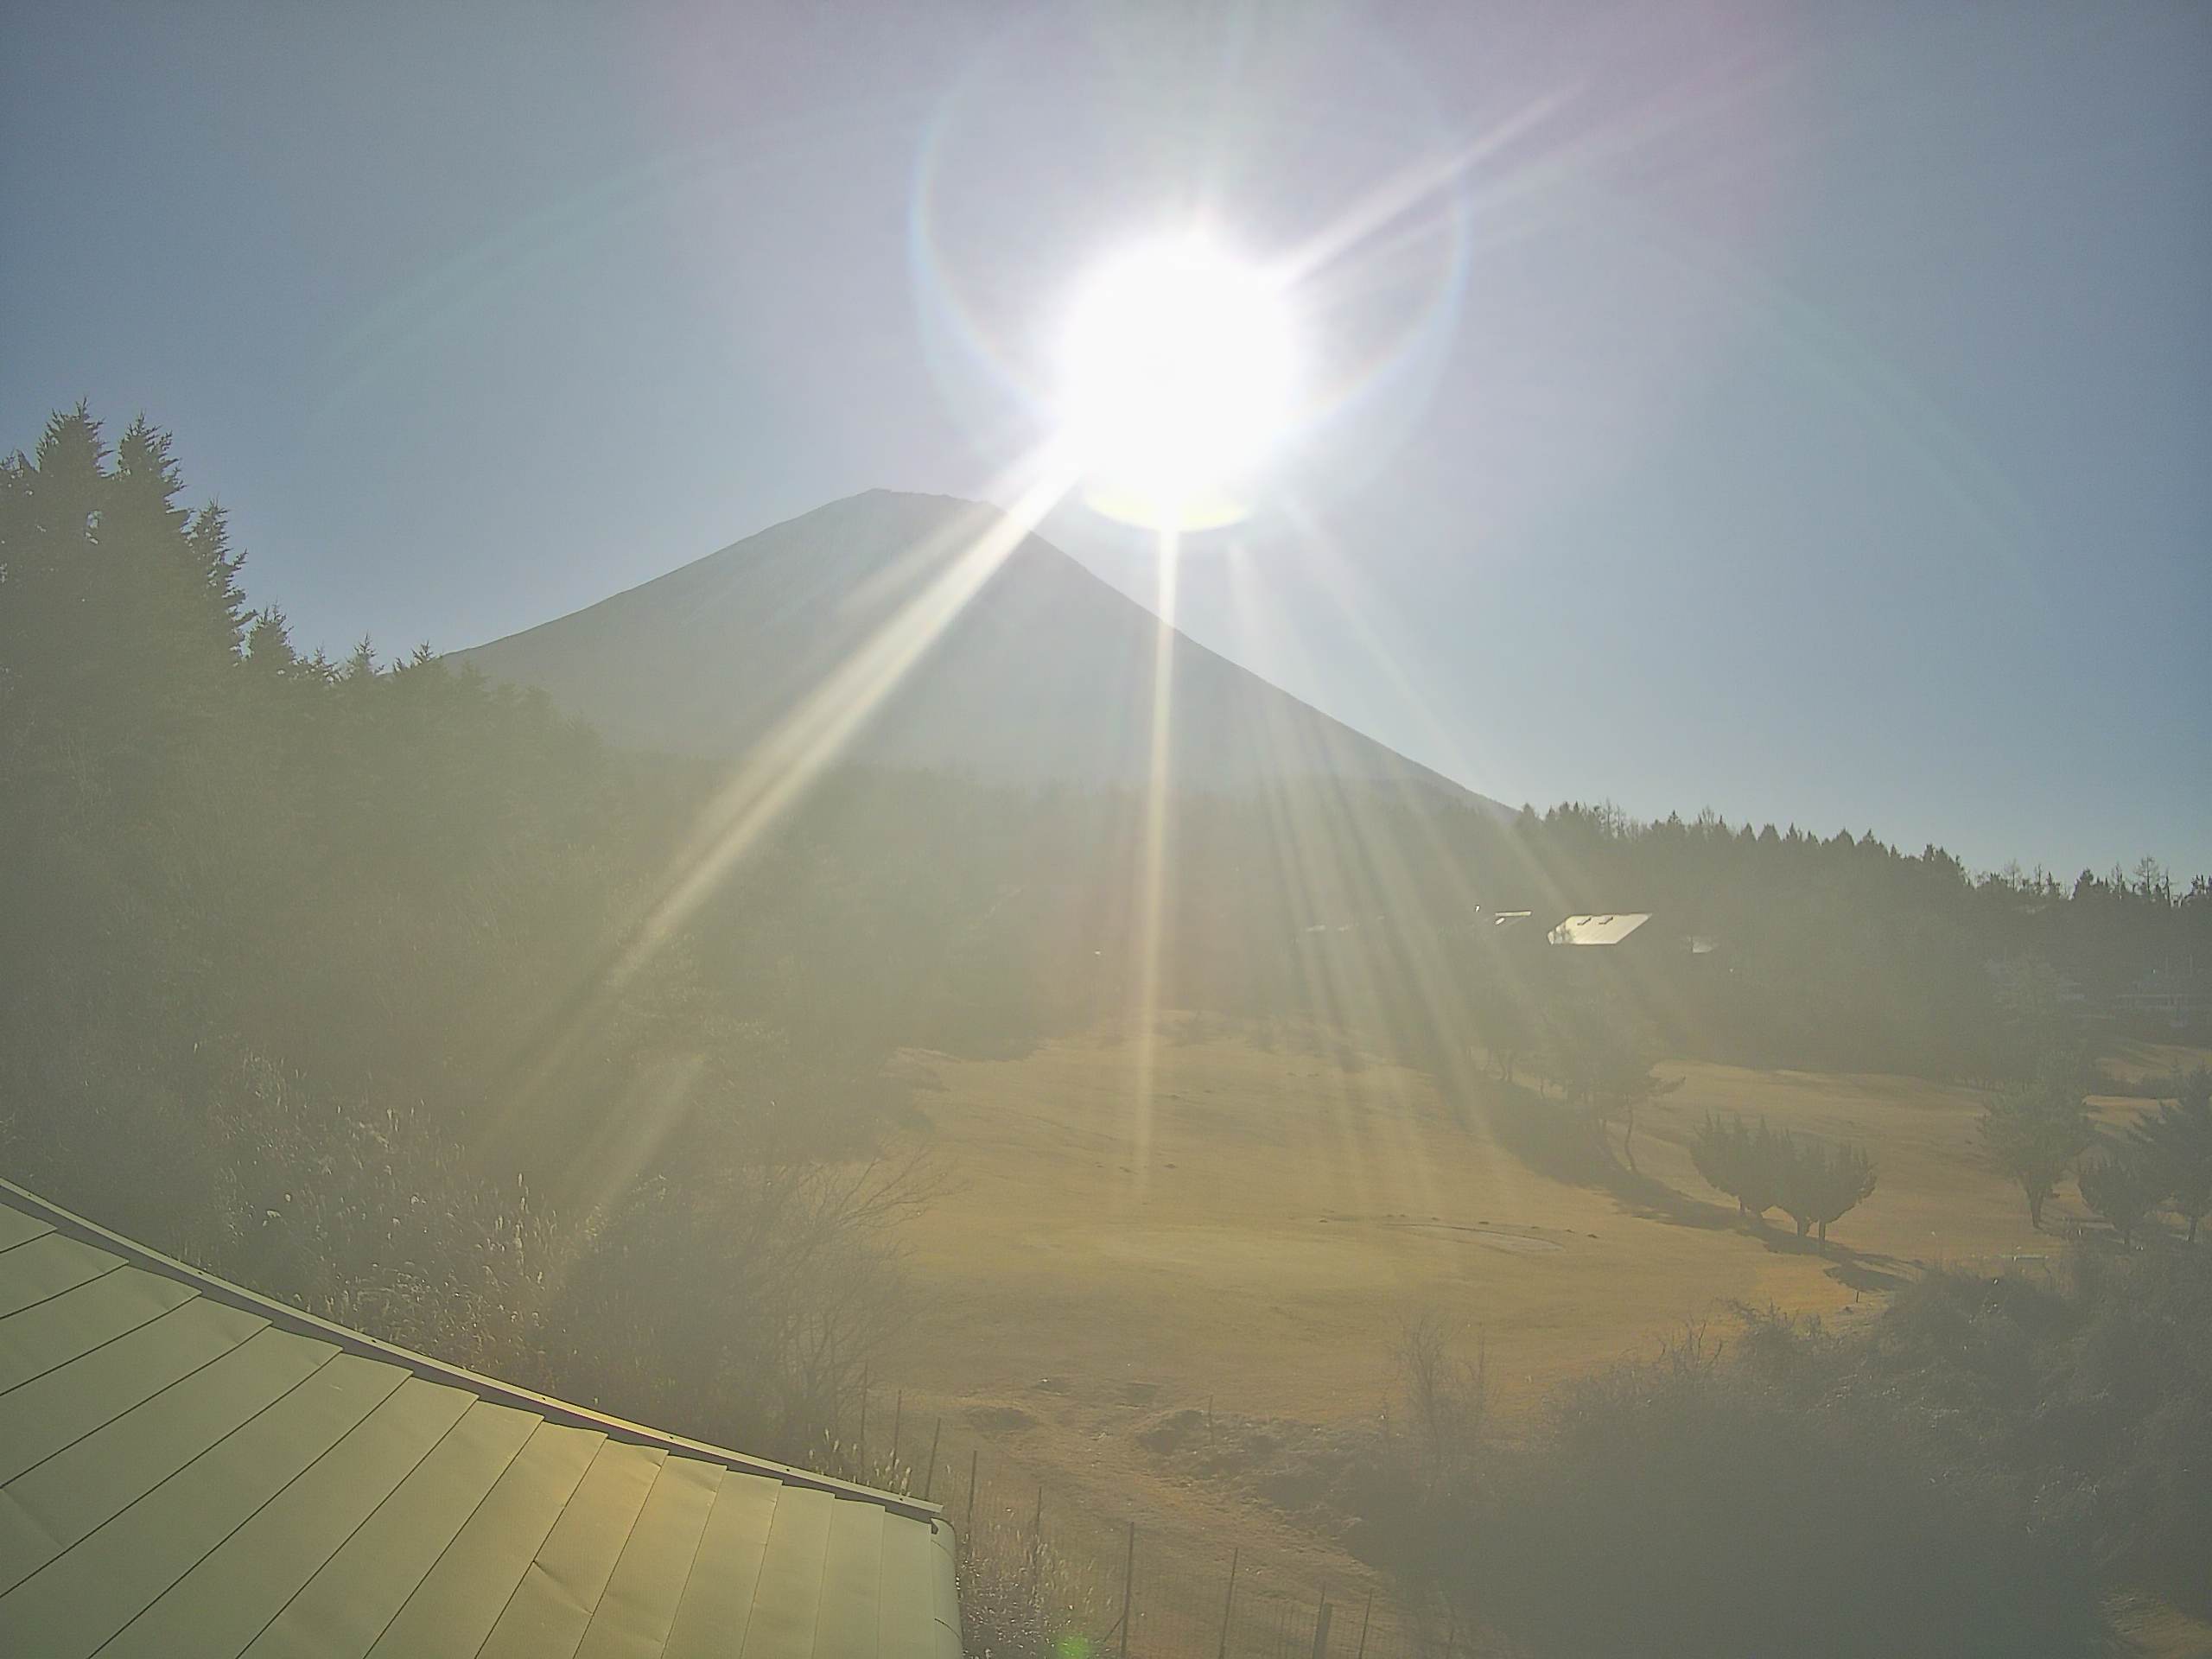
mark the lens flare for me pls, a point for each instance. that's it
(1178, 367)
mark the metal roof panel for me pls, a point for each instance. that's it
(47, 1509)
(78, 1601)
(46, 1266)
(66, 1327)
(457, 1604)
(552, 1606)
(60, 1407)
(633, 1618)
(717, 1601)
(189, 1470)
(344, 1608)
(219, 1607)
(851, 1575)
(789, 1600)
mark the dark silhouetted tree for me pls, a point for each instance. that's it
(2119, 1187)
(1816, 1183)
(1502, 1020)
(2034, 1131)
(2175, 1144)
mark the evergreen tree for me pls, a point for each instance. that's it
(1817, 1184)
(2034, 1131)
(2120, 1187)
(2175, 1145)
(1719, 1153)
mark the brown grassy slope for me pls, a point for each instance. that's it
(1260, 1238)
(1261, 1241)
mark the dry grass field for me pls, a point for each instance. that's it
(1258, 1243)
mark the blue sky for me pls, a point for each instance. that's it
(1804, 415)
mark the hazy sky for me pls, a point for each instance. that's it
(1807, 415)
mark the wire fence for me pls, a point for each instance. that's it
(1044, 1577)
(1071, 1582)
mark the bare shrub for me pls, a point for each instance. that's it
(1789, 1496)
(1022, 1597)
(1444, 1398)
(739, 1297)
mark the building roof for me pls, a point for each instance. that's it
(1599, 930)
(187, 1468)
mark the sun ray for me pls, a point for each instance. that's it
(1152, 895)
(777, 772)
(1408, 189)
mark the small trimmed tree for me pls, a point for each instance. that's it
(1744, 1161)
(1765, 1150)
(2119, 1187)
(2175, 1145)
(1718, 1150)
(1819, 1184)
(2034, 1131)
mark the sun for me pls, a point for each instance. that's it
(1177, 375)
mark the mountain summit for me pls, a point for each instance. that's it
(1045, 674)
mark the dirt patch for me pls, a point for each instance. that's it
(999, 1419)
(1330, 1477)
(1172, 1431)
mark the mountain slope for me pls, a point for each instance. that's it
(1046, 674)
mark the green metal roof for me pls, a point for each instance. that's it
(186, 1468)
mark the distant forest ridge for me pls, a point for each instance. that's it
(907, 899)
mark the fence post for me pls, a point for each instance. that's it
(1321, 1629)
(1228, 1606)
(1366, 1613)
(1037, 1543)
(929, 1475)
(969, 1528)
(897, 1411)
(1128, 1579)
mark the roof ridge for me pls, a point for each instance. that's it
(298, 1321)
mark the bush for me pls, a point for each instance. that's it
(1684, 1507)
(2093, 1392)
(1816, 1184)
(2120, 1187)
(1971, 1475)
(1763, 1168)
(2175, 1144)
(737, 1294)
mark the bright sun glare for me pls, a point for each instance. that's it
(1177, 378)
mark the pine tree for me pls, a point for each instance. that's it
(269, 645)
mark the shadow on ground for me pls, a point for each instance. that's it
(1546, 1137)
